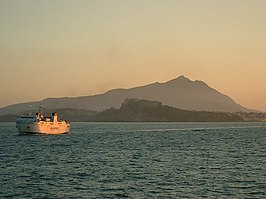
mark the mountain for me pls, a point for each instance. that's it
(139, 110)
(135, 110)
(180, 93)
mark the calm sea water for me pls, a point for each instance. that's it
(136, 160)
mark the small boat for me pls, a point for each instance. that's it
(38, 124)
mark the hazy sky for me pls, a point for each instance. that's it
(55, 48)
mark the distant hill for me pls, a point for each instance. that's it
(73, 115)
(181, 93)
(135, 110)
(8, 118)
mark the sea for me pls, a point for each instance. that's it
(136, 160)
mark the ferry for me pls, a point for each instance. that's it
(38, 124)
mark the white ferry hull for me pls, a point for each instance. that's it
(43, 128)
(42, 125)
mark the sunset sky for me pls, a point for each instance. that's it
(82, 47)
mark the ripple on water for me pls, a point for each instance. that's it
(136, 160)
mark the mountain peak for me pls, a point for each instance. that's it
(180, 79)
